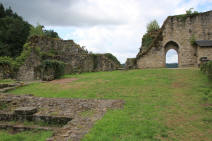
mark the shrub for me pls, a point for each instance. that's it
(207, 68)
(57, 66)
(47, 55)
(7, 66)
(146, 41)
(25, 53)
(153, 26)
(193, 40)
(189, 13)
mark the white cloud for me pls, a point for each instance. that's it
(114, 26)
(125, 40)
(171, 56)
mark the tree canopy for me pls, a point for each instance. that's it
(13, 32)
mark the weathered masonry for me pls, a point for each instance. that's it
(76, 59)
(177, 33)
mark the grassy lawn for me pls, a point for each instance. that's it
(6, 81)
(25, 136)
(160, 104)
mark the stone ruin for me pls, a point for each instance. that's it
(69, 119)
(177, 32)
(76, 59)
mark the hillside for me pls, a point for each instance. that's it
(160, 104)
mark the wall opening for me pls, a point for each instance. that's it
(172, 58)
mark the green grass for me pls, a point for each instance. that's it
(7, 81)
(160, 104)
(25, 136)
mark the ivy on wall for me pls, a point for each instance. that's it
(58, 67)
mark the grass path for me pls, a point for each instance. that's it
(160, 104)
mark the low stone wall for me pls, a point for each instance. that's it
(77, 116)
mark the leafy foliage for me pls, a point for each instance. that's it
(153, 26)
(51, 33)
(189, 13)
(13, 32)
(146, 41)
(39, 31)
(193, 40)
(47, 55)
(25, 53)
(7, 61)
(36, 31)
(8, 66)
(57, 66)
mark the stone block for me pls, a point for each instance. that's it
(25, 111)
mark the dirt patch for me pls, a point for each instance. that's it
(63, 81)
(178, 85)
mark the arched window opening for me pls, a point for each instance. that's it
(171, 59)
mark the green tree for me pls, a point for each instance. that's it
(153, 26)
(2, 11)
(51, 33)
(13, 33)
(39, 31)
(36, 31)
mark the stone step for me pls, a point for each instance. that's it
(51, 120)
(20, 127)
(6, 89)
(25, 111)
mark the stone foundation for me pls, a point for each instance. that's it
(54, 111)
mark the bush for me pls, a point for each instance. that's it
(7, 66)
(207, 68)
(146, 41)
(47, 55)
(24, 54)
(57, 66)
(153, 26)
(193, 40)
(189, 13)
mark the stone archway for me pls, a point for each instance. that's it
(172, 45)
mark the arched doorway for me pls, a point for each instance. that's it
(172, 55)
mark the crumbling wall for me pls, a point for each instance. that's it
(180, 30)
(28, 71)
(130, 63)
(76, 58)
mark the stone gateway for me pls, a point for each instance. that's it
(190, 36)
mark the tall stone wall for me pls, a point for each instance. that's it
(177, 31)
(76, 58)
(204, 52)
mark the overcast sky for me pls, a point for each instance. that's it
(114, 26)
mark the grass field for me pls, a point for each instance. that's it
(160, 104)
